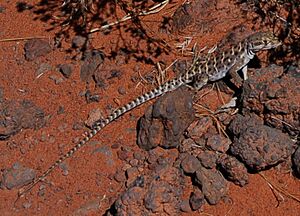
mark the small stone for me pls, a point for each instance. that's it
(35, 48)
(218, 143)
(139, 156)
(92, 60)
(196, 200)
(2, 9)
(123, 155)
(65, 69)
(121, 90)
(120, 176)
(91, 97)
(94, 116)
(57, 80)
(185, 206)
(78, 41)
(131, 173)
(78, 126)
(42, 190)
(64, 167)
(115, 74)
(17, 176)
(60, 110)
(208, 159)
(43, 68)
(26, 205)
(17, 115)
(212, 184)
(134, 162)
(115, 146)
(190, 164)
(233, 170)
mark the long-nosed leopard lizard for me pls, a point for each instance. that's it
(212, 68)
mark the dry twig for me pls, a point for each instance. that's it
(152, 10)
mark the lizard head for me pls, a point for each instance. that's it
(263, 41)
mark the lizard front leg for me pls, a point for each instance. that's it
(235, 76)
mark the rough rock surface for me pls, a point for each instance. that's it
(233, 170)
(159, 192)
(17, 176)
(296, 161)
(212, 184)
(208, 159)
(65, 69)
(165, 121)
(17, 115)
(35, 48)
(257, 145)
(196, 199)
(92, 59)
(275, 95)
(190, 164)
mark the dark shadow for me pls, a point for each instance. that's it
(283, 18)
(81, 16)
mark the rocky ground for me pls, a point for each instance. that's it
(182, 154)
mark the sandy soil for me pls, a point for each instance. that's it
(85, 184)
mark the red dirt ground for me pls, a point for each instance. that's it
(88, 177)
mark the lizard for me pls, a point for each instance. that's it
(200, 73)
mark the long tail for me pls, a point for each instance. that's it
(166, 87)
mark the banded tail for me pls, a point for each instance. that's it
(166, 87)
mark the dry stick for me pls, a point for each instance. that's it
(219, 95)
(284, 122)
(20, 39)
(160, 78)
(215, 119)
(279, 189)
(152, 10)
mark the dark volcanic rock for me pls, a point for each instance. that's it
(233, 170)
(275, 95)
(208, 159)
(212, 184)
(35, 48)
(160, 192)
(296, 161)
(65, 69)
(194, 13)
(196, 200)
(257, 145)
(218, 143)
(198, 129)
(79, 41)
(190, 164)
(17, 176)
(15, 116)
(165, 121)
(92, 59)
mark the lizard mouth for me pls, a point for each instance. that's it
(273, 45)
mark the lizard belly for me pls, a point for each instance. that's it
(219, 74)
